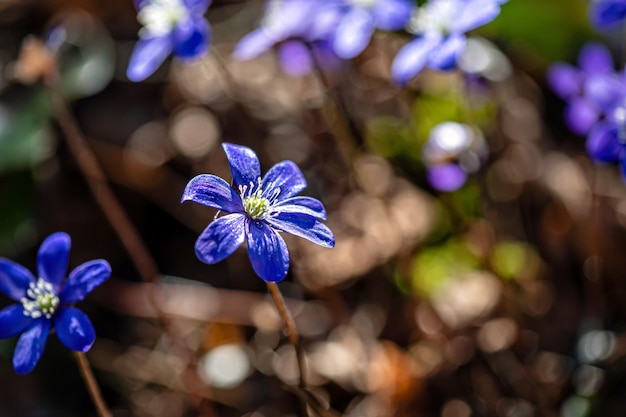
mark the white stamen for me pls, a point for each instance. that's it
(41, 300)
(256, 202)
(160, 16)
(437, 15)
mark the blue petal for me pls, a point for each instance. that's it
(74, 329)
(148, 55)
(581, 115)
(295, 58)
(244, 164)
(392, 14)
(413, 56)
(603, 144)
(564, 80)
(606, 14)
(475, 13)
(191, 38)
(30, 346)
(197, 6)
(305, 226)
(214, 192)
(14, 279)
(446, 177)
(13, 321)
(290, 19)
(53, 257)
(221, 238)
(323, 25)
(604, 90)
(284, 175)
(267, 251)
(253, 45)
(84, 279)
(446, 55)
(304, 205)
(353, 33)
(595, 58)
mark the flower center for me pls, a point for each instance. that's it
(256, 202)
(437, 15)
(159, 17)
(41, 300)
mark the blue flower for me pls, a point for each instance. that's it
(360, 19)
(590, 90)
(453, 150)
(606, 14)
(439, 28)
(48, 299)
(260, 208)
(176, 26)
(299, 28)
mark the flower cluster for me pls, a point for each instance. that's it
(453, 150)
(596, 102)
(48, 300)
(169, 26)
(343, 28)
(260, 208)
(439, 29)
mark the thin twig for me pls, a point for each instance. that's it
(114, 212)
(102, 192)
(92, 385)
(336, 115)
(292, 333)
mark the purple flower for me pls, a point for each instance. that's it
(453, 150)
(361, 17)
(48, 299)
(259, 207)
(169, 26)
(590, 90)
(439, 28)
(606, 14)
(299, 28)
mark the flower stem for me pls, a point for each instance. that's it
(92, 385)
(336, 115)
(292, 333)
(102, 192)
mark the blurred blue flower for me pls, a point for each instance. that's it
(453, 151)
(439, 28)
(169, 26)
(260, 208)
(606, 14)
(588, 90)
(361, 17)
(48, 299)
(596, 102)
(299, 28)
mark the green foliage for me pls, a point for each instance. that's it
(435, 266)
(544, 30)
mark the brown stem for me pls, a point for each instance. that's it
(92, 385)
(102, 192)
(292, 333)
(114, 212)
(336, 115)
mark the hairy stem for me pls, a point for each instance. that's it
(292, 333)
(92, 385)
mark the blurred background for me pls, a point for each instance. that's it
(502, 298)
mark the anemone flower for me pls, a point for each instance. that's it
(260, 208)
(169, 26)
(47, 300)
